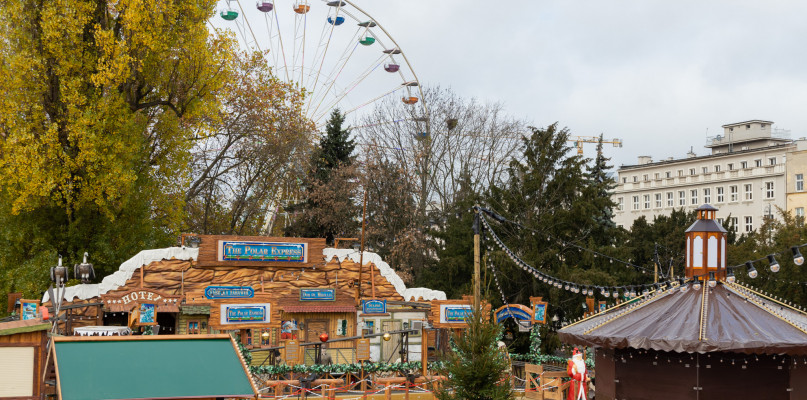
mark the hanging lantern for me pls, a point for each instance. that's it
(706, 245)
(798, 259)
(730, 278)
(773, 264)
(712, 280)
(697, 284)
(752, 272)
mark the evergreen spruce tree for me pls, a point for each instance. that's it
(335, 148)
(598, 193)
(477, 367)
(331, 175)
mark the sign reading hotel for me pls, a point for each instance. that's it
(244, 313)
(317, 294)
(263, 251)
(229, 292)
(453, 314)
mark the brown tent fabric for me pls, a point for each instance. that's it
(733, 321)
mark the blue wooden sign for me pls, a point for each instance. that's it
(317, 294)
(263, 251)
(229, 292)
(246, 313)
(374, 306)
(515, 311)
(456, 313)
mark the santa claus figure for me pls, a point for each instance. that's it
(576, 368)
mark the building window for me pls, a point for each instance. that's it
(768, 190)
(730, 166)
(720, 197)
(246, 338)
(720, 221)
(635, 202)
(707, 195)
(799, 216)
(657, 175)
(772, 161)
(658, 200)
(680, 172)
(717, 168)
(668, 174)
(735, 224)
(749, 191)
(620, 203)
(749, 224)
(646, 177)
(747, 126)
(682, 198)
(670, 200)
(705, 170)
(799, 182)
(635, 178)
(624, 179)
(692, 171)
(733, 194)
(744, 164)
(193, 328)
(693, 197)
(757, 163)
(646, 201)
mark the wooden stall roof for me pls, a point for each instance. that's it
(15, 327)
(141, 367)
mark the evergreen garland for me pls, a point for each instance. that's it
(369, 367)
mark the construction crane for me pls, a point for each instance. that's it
(579, 140)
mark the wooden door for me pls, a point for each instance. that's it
(314, 328)
(389, 350)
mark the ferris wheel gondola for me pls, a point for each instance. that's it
(335, 66)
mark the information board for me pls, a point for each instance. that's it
(292, 352)
(363, 349)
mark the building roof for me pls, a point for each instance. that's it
(147, 367)
(19, 326)
(729, 317)
(753, 121)
(708, 156)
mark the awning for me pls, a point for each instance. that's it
(102, 331)
(148, 367)
(319, 309)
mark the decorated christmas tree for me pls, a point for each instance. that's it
(476, 367)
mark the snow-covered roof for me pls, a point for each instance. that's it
(119, 278)
(146, 257)
(387, 272)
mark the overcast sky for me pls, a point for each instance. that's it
(655, 74)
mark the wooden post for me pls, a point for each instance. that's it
(476, 258)
(361, 255)
(387, 392)
(424, 349)
(363, 383)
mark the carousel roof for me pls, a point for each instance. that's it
(729, 317)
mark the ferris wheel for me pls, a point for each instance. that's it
(334, 51)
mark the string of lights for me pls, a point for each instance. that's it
(562, 242)
(573, 287)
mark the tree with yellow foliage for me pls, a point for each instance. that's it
(100, 106)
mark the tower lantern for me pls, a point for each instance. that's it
(706, 246)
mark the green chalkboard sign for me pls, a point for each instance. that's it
(139, 369)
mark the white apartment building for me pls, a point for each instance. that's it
(744, 177)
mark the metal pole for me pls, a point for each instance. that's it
(655, 263)
(476, 258)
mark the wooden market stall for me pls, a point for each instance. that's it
(22, 358)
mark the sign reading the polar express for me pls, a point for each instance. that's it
(244, 313)
(454, 313)
(263, 251)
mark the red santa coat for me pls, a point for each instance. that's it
(578, 389)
